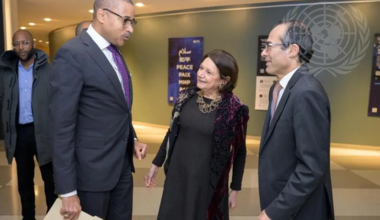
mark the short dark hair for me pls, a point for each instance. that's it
(79, 27)
(298, 33)
(107, 4)
(227, 66)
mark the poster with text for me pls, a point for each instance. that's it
(263, 80)
(374, 94)
(185, 56)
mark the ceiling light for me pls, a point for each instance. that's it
(91, 11)
(47, 42)
(32, 24)
(34, 39)
(22, 28)
(139, 4)
(47, 19)
(40, 41)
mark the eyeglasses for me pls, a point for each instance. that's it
(268, 45)
(127, 21)
(17, 43)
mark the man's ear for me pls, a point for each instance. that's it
(294, 50)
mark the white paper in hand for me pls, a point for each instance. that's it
(54, 213)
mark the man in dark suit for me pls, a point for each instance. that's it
(294, 160)
(91, 100)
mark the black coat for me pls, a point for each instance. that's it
(9, 97)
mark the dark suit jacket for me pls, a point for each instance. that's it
(294, 160)
(91, 121)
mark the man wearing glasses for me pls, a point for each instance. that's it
(91, 100)
(294, 158)
(24, 85)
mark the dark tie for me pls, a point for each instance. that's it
(276, 90)
(122, 69)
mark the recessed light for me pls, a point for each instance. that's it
(34, 39)
(47, 19)
(47, 42)
(32, 24)
(139, 4)
(22, 28)
(91, 11)
(40, 41)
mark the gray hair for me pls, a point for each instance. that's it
(99, 4)
(298, 33)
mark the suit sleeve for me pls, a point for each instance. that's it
(239, 161)
(311, 125)
(161, 154)
(1, 87)
(66, 81)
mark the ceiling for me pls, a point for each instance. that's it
(68, 12)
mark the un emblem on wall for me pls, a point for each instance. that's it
(341, 36)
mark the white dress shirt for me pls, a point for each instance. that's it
(102, 44)
(284, 82)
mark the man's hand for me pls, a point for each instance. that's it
(232, 199)
(263, 216)
(71, 207)
(140, 150)
(150, 178)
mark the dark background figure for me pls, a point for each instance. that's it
(24, 88)
(82, 26)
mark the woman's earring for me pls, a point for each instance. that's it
(221, 86)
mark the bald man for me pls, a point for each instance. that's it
(82, 26)
(24, 83)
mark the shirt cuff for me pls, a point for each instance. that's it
(69, 194)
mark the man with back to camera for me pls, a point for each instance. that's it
(24, 85)
(82, 26)
(294, 158)
(91, 100)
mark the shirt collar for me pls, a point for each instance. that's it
(285, 80)
(98, 39)
(20, 65)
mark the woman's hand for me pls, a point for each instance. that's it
(150, 178)
(232, 199)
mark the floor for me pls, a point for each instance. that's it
(355, 177)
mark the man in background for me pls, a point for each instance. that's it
(24, 86)
(82, 26)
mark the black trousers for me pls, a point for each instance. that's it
(111, 205)
(26, 149)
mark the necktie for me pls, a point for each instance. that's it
(276, 90)
(122, 69)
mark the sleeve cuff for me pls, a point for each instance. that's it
(69, 194)
(235, 187)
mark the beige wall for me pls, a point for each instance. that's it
(237, 32)
(60, 36)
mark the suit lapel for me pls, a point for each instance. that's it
(285, 96)
(101, 60)
(267, 119)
